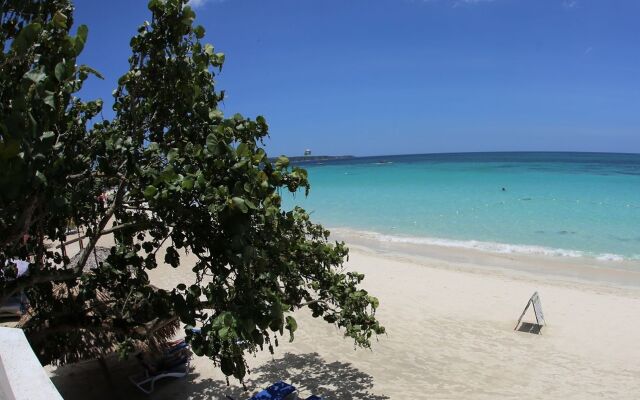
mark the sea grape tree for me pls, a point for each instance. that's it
(183, 178)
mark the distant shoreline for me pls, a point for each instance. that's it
(497, 152)
(304, 159)
(587, 156)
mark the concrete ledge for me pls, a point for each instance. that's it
(21, 375)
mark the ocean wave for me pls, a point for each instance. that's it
(491, 247)
(612, 257)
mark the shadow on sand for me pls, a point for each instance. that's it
(530, 328)
(308, 372)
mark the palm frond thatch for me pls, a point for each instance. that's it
(74, 329)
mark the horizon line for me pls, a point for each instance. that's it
(468, 152)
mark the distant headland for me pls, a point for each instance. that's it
(309, 158)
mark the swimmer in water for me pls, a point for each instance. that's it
(504, 190)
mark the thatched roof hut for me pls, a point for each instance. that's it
(74, 327)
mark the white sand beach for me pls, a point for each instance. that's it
(450, 317)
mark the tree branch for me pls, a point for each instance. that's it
(308, 303)
(22, 223)
(104, 232)
(86, 252)
(57, 275)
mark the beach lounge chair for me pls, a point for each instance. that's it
(16, 305)
(174, 363)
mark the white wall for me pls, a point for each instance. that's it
(21, 375)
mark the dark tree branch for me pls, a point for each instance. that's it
(23, 223)
(59, 275)
(86, 252)
(104, 232)
(308, 303)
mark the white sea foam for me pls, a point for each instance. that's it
(491, 247)
(610, 257)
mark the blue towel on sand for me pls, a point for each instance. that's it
(277, 391)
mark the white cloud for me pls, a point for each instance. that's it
(200, 3)
(588, 50)
(569, 3)
(196, 3)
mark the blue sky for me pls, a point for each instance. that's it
(371, 77)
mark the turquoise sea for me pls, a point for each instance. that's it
(563, 204)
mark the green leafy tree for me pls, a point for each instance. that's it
(184, 178)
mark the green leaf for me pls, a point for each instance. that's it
(276, 310)
(47, 135)
(240, 204)
(89, 70)
(282, 162)
(215, 115)
(50, 99)
(187, 16)
(150, 191)
(81, 39)
(223, 332)
(257, 337)
(36, 76)
(9, 149)
(227, 366)
(59, 20)
(248, 324)
(173, 154)
(82, 33)
(243, 150)
(212, 143)
(60, 71)
(291, 325)
(172, 257)
(195, 291)
(154, 5)
(375, 303)
(168, 175)
(201, 180)
(187, 183)
(240, 371)
(26, 37)
(41, 177)
(199, 31)
(147, 246)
